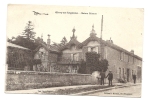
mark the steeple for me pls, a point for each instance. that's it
(93, 33)
(73, 36)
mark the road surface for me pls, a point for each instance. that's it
(132, 91)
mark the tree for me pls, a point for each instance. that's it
(28, 32)
(27, 38)
(92, 62)
(103, 65)
(64, 41)
(24, 42)
(82, 68)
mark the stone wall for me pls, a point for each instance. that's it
(21, 80)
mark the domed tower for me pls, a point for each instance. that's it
(92, 33)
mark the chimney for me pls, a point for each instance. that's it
(41, 38)
(48, 41)
(132, 51)
(109, 41)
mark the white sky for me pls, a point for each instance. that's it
(123, 25)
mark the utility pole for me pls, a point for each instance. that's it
(101, 46)
(101, 27)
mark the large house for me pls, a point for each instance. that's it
(67, 58)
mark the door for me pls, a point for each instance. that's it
(128, 75)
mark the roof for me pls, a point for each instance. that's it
(51, 49)
(94, 38)
(69, 44)
(54, 48)
(16, 46)
(91, 38)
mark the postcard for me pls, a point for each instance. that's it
(74, 50)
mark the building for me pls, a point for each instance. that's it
(18, 57)
(48, 56)
(122, 63)
(67, 58)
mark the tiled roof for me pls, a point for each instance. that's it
(94, 38)
(52, 48)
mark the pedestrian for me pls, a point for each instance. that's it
(110, 78)
(102, 74)
(98, 78)
(134, 78)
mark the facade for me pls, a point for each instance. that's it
(122, 63)
(48, 56)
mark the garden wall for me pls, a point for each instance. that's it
(21, 80)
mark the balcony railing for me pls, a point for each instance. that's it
(68, 60)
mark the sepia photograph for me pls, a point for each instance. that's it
(74, 50)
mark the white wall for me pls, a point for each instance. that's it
(93, 43)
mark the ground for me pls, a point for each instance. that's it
(132, 91)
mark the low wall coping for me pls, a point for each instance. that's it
(43, 73)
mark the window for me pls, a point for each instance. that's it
(132, 72)
(131, 59)
(119, 72)
(97, 50)
(123, 71)
(121, 56)
(76, 56)
(89, 49)
(128, 58)
(71, 56)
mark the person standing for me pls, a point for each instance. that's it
(134, 78)
(102, 74)
(110, 77)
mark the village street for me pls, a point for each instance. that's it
(132, 91)
(126, 90)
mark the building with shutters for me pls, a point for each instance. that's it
(122, 63)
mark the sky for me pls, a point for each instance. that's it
(123, 25)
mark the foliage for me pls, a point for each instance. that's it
(94, 64)
(28, 33)
(92, 61)
(25, 43)
(82, 68)
(37, 61)
(103, 65)
(63, 42)
(27, 38)
(18, 58)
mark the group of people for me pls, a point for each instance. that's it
(110, 77)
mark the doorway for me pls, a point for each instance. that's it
(127, 75)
